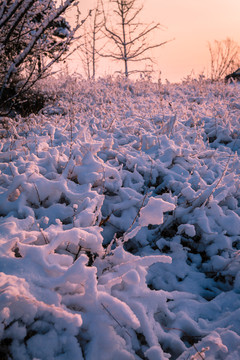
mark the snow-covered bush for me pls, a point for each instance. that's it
(33, 36)
(120, 223)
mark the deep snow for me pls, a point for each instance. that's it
(120, 223)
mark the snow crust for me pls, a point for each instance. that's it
(120, 223)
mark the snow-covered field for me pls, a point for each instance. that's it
(120, 224)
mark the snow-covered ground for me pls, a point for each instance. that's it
(120, 224)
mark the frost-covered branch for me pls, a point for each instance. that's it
(30, 31)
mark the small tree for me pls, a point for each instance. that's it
(92, 37)
(33, 36)
(129, 36)
(85, 53)
(225, 58)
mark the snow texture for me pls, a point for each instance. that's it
(120, 223)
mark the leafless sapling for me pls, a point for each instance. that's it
(129, 35)
(92, 41)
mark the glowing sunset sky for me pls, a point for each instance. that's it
(192, 23)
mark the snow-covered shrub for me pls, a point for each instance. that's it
(120, 223)
(34, 35)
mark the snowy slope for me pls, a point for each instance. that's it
(120, 224)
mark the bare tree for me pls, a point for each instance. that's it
(129, 36)
(92, 37)
(225, 58)
(85, 52)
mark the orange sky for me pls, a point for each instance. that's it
(192, 23)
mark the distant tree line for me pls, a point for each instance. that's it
(114, 31)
